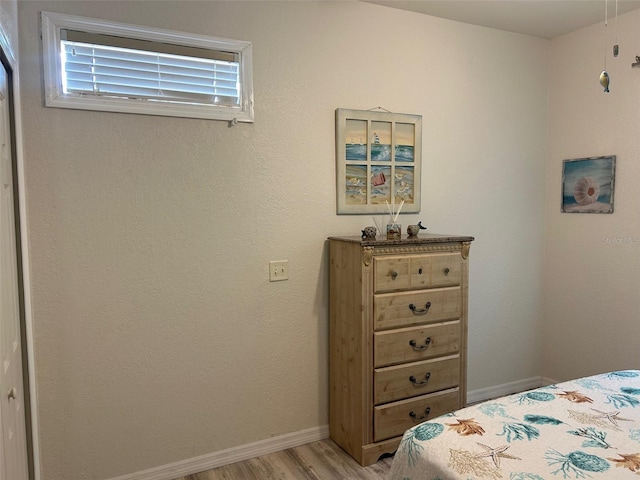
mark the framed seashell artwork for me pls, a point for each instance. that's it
(588, 184)
(378, 157)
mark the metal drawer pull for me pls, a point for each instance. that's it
(413, 380)
(413, 414)
(417, 310)
(413, 344)
(446, 271)
(13, 393)
(394, 275)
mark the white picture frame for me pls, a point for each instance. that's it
(378, 161)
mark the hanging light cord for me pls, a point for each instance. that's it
(615, 29)
(606, 2)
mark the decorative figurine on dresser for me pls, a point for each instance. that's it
(397, 337)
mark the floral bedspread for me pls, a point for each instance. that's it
(585, 428)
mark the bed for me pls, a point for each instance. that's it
(585, 428)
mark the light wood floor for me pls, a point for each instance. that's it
(322, 460)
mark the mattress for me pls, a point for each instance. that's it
(584, 428)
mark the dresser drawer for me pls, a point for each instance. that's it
(415, 343)
(416, 271)
(392, 310)
(393, 419)
(391, 273)
(446, 270)
(418, 378)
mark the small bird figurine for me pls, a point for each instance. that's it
(604, 80)
(413, 230)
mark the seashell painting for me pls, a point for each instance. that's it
(587, 185)
(586, 191)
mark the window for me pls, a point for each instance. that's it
(99, 65)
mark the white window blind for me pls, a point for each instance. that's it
(99, 68)
(108, 70)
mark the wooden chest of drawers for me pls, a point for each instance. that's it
(398, 336)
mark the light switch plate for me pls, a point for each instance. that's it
(278, 270)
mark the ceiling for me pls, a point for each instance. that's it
(539, 18)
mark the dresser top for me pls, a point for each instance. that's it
(421, 239)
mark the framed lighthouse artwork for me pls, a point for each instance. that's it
(378, 157)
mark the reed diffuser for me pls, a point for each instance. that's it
(394, 229)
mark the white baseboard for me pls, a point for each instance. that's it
(295, 439)
(230, 455)
(483, 394)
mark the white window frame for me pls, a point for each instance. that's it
(53, 23)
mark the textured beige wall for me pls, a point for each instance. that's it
(158, 336)
(9, 27)
(592, 279)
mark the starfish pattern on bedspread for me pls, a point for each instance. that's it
(495, 453)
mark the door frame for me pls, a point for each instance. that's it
(10, 63)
